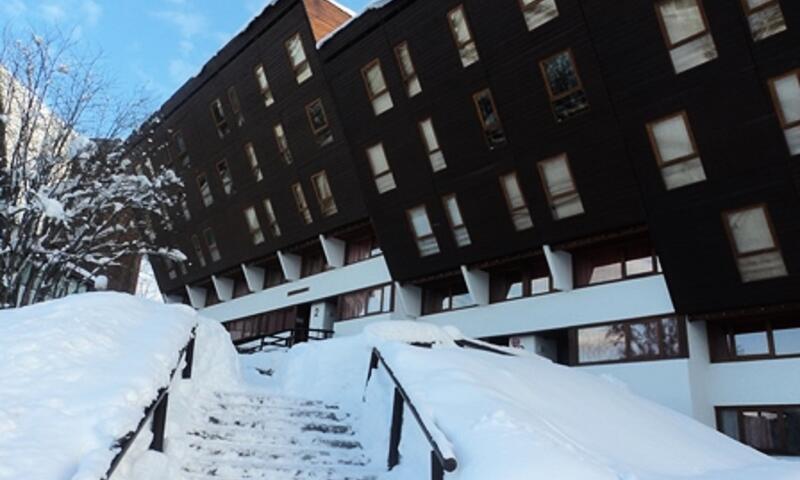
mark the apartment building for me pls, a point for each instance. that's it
(613, 185)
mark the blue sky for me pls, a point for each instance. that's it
(151, 44)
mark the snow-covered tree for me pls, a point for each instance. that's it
(73, 202)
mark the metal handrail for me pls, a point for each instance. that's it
(275, 339)
(157, 410)
(439, 462)
(486, 347)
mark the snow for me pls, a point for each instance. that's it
(511, 417)
(51, 208)
(101, 283)
(76, 375)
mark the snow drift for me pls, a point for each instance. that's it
(515, 417)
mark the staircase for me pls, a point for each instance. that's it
(249, 435)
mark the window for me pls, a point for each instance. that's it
(263, 85)
(686, 33)
(435, 154)
(776, 336)
(254, 226)
(187, 214)
(283, 144)
(362, 248)
(676, 151)
(521, 278)
(198, 250)
(490, 121)
(236, 106)
(446, 295)
(322, 189)
(180, 146)
(765, 18)
(462, 35)
(407, 70)
(460, 233)
(205, 190)
(564, 86)
(302, 205)
(218, 115)
(384, 180)
(313, 261)
(517, 207)
(786, 97)
(770, 428)
(272, 221)
(319, 122)
(632, 341)
(609, 262)
(170, 267)
(559, 186)
(754, 245)
(423, 233)
(297, 58)
(225, 176)
(211, 243)
(377, 91)
(372, 301)
(538, 12)
(252, 159)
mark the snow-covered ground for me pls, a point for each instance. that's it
(76, 374)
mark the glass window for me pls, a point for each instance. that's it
(377, 91)
(407, 70)
(462, 35)
(384, 180)
(750, 343)
(205, 190)
(490, 121)
(252, 159)
(786, 338)
(435, 154)
(211, 244)
(297, 58)
(198, 251)
(423, 232)
(754, 246)
(786, 97)
(302, 205)
(371, 301)
(218, 115)
(637, 340)
(567, 96)
(676, 151)
(772, 429)
(225, 176)
(318, 121)
(765, 18)
(449, 294)
(236, 106)
(612, 261)
(686, 33)
(521, 278)
(559, 186)
(272, 221)
(187, 214)
(754, 339)
(253, 225)
(180, 146)
(263, 85)
(601, 344)
(460, 233)
(283, 144)
(322, 189)
(538, 12)
(517, 207)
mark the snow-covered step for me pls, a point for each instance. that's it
(245, 412)
(316, 454)
(298, 473)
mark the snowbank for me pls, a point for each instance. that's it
(76, 374)
(515, 417)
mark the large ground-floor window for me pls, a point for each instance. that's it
(772, 429)
(655, 338)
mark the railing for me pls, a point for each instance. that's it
(157, 411)
(285, 339)
(486, 347)
(440, 462)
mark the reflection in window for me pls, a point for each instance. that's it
(272, 221)
(236, 106)
(297, 58)
(564, 86)
(462, 35)
(525, 278)
(538, 12)
(198, 251)
(211, 244)
(772, 429)
(649, 339)
(786, 97)
(225, 177)
(451, 294)
(676, 151)
(254, 226)
(460, 233)
(686, 33)
(252, 159)
(517, 206)
(371, 301)
(765, 18)
(218, 115)
(407, 69)
(754, 339)
(205, 190)
(435, 154)
(610, 262)
(493, 131)
(322, 189)
(318, 121)
(423, 233)
(377, 91)
(301, 203)
(384, 180)
(263, 85)
(559, 186)
(754, 245)
(283, 144)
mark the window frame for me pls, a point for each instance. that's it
(223, 129)
(203, 196)
(236, 105)
(750, 11)
(227, 187)
(483, 120)
(324, 134)
(776, 102)
(549, 195)
(579, 88)
(408, 78)
(451, 223)
(266, 91)
(428, 149)
(418, 238)
(273, 227)
(300, 201)
(256, 233)
(376, 176)
(728, 330)
(772, 231)
(460, 46)
(331, 209)
(778, 409)
(366, 292)
(305, 62)
(252, 161)
(665, 33)
(284, 150)
(524, 8)
(183, 155)
(370, 94)
(198, 251)
(509, 207)
(654, 144)
(216, 248)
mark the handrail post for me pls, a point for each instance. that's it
(187, 370)
(397, 429)
(437, 470)
(159, 424)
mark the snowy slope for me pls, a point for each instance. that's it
(75, 375)
(518, 417)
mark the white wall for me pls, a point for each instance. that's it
(327, 284)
